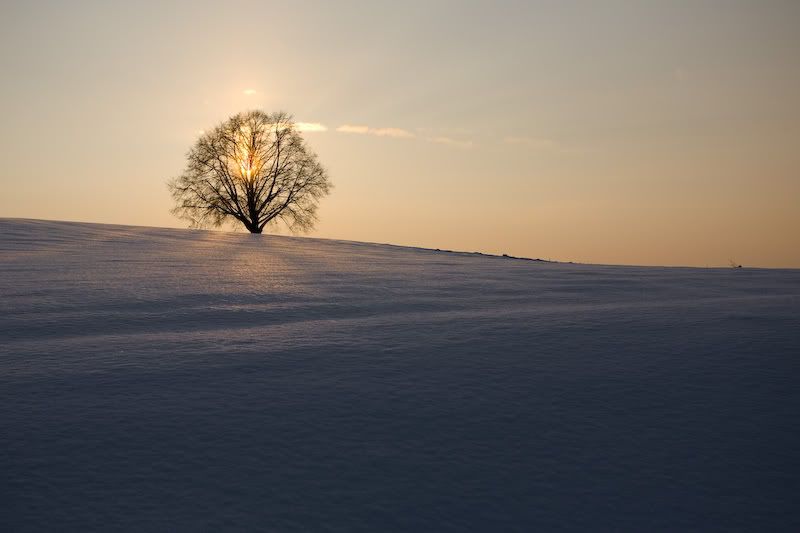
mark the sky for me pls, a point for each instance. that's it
(618, 132)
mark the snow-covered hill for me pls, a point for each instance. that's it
(176, 380)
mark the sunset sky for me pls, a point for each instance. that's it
(661, 133)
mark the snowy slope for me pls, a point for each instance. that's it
(176, 380)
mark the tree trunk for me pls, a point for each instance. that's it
(252, 228)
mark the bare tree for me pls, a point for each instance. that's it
(254, 168)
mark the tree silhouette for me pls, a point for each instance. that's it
(254, 168)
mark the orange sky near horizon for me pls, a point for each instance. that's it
(619, 132)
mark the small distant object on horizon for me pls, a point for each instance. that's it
(734, 264)
(503, 256)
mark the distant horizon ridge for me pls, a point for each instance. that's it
(408, 246)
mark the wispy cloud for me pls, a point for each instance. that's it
(380, 132)
(450, 142)
(537, 143)
(400, 133)
(310, 126)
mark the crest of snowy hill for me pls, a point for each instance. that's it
(164, 379)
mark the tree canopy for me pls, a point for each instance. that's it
(253, 168)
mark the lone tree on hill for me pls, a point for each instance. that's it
(254, 168)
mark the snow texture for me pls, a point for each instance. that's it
(175, 380)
